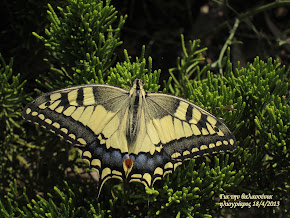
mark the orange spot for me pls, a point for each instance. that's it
(128, 163)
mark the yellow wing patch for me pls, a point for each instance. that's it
(130, 135)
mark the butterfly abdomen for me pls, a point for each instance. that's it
(135, 112)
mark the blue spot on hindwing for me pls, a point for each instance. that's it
(125, 156)
(132, 157)
(107, 158)
(116, 158)
(158, 159)
(98, 151)
(141, 161)
(150, 163)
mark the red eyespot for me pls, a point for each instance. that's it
(128, 163)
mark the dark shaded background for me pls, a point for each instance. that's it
(158, 25)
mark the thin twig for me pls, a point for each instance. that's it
(253, 12)
(229, 40)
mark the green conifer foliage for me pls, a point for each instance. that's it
(12, 144)
(81, 42)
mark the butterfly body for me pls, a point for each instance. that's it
(131, 135)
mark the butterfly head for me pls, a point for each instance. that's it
(137, 89)
(138, 84)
